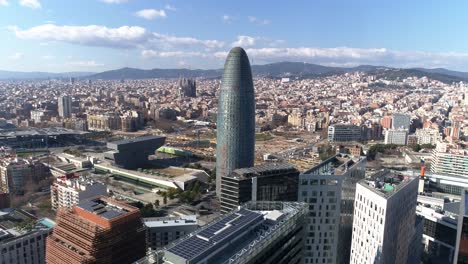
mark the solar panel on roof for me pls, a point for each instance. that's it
(109, 214)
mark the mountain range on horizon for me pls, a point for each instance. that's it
(274, 70)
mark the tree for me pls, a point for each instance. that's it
(148, 211)
(156, 203)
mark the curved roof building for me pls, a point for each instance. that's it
(236, 117)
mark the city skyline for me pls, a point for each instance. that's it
(99, 35)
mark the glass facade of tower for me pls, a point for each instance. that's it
(236, 117)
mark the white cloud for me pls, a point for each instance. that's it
(357, 56)
(244, 41)
(48, 57)
(149, 54)
(114, 1)
(4, 3)
(258, 21)
(228, 19)
(101, 36)
(85, 64)
(34, 4)
(171, 54)
(170, 8)
(122, 37)
(172, 40)
(151, 14)
(16, 56)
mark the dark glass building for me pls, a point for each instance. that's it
(133, 153)
(461, 251)
(266, 182)
(236, 117)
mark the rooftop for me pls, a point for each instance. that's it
(221, 233)
(336, 165)
(170, 221)
(50, 131)
(103, 207)
(132, 141)
(264, 169)
(386, 182)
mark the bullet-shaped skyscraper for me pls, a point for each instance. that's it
(236, 117)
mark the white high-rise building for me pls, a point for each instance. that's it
(65, 106)
(396, 136)
(329, 188)
(384, 219)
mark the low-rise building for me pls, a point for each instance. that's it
(160, 231)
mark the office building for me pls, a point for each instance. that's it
(160, 231)
(440, 228)
(461, 246)
(449, 159)
(428, 136)
(344, 133)
(98, 230)
(401, 121)
(329, 188)
(396, 136)
(187, 88)
(266, 182)
(384, 219)
(23, 245)
(236, 117)
(133, 153)
(66, 192)
(65, 106)
(259, 232)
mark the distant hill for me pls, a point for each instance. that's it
(275, 70)
(445, 72)
(398, 74)
(132, 73)
(12, 75)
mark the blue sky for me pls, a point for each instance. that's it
(97, 35)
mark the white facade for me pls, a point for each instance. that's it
(68, 192)
(323, 188)
(428, 136)
(384, 221)
(449, 159)
(396, 136)
(65, 106)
